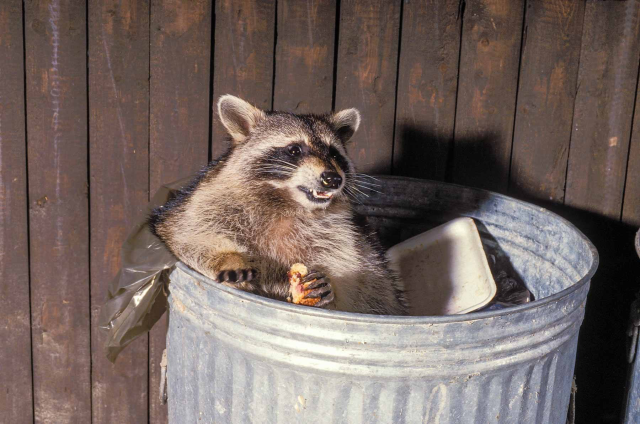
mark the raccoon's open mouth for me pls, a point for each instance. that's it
(317, 196)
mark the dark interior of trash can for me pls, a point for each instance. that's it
(530, 243)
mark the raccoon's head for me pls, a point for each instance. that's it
(303, 156)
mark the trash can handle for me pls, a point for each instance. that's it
(634, 318)
(632, 331)
(163, 378)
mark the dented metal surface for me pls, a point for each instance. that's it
(235, 357)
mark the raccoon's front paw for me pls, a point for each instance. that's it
(236, 276)
(317, 286)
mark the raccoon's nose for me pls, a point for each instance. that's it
(330, 179)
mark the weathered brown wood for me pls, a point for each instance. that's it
(600, 173)
(15, 332)
(546, 94)
(631, 205)
(304, 56)
(427, 85)
(601, 131)
(119, 172)
(179, 104)
(366, 77)
(56, 70)
(243, 57)
(604, 104)
(488, 80)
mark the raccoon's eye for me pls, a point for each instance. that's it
(294, 150)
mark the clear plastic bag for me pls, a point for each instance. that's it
(138, 294)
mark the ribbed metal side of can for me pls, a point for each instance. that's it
(632, 406)
(235, 357)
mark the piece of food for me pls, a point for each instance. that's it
(297, 290)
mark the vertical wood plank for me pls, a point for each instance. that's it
(427, 86)
(304, 56)
(546, 94)
(15, 332)
(488, 79)
(119, 172)
(366, 77)
(598, 152)
(179, 105)
(243, 57)
(604, 104)
(631, 205)
(56, 70)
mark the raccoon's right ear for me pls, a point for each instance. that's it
(238, 117)
(345, 123)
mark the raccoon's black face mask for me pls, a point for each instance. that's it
(302, 154)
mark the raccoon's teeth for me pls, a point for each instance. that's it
(321, 194)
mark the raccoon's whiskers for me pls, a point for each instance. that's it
(282, 162)
(347, 190)
(267, 208)
(280, 168)
(274, 170)
(367, 188)
(360, 175)
(366, 184)
(357, 190)
(274, 167)
(351, 195)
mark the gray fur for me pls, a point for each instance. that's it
(255, 210)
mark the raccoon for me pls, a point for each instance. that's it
(281, 195)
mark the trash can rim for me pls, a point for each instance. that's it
(408, 320)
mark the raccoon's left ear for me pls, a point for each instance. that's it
(346, 123)
(238, 117)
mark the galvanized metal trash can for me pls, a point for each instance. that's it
(632, 402)
(237, 358)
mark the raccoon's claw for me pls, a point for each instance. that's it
(317, 286)
(313, 280)
(237, 276)
(326, 298)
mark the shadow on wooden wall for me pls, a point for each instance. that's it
(537, 99)
(601, 365)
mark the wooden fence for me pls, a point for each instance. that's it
(102, 102)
